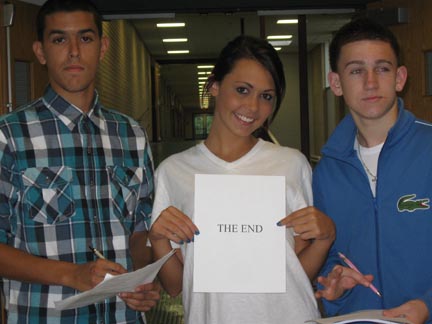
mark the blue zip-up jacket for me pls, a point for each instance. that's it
(389, 236)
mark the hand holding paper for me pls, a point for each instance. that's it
(87, 275)
(143, 298)
(113, 285)
(174, 225)
(370, 316)
(310, 224)
(415, 310)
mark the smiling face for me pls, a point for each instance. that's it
(368, 77)
(71, 49)
(244, 99)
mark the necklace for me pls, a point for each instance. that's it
(373, 176)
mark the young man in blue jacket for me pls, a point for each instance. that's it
(375, 181)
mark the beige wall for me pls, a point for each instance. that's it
(124, 78)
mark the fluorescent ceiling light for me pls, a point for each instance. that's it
(202, 78)
(279, 37)
(204, 72)
(201, 82)
(278, 48)
(280, 43)
(287, 21)
(178, 52)
(205, 66)
(170, 25)
(174, 40)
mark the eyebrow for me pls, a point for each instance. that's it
(252, 86)
(80, 32)
(359, 62)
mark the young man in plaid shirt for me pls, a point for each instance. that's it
(73, 174)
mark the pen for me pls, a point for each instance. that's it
(352, 266)
(96, 252)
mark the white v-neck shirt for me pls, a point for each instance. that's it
(174, 180)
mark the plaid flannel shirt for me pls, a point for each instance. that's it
(69, 180)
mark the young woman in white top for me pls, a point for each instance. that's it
(248, 85)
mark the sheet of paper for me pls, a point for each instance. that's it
(240, 248)
(112, 285)
(372, 316)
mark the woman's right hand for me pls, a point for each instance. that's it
(173, 225)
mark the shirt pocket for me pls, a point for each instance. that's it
(48, 194)
(126, 183)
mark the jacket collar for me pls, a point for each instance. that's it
(341, 142)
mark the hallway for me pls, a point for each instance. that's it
(161, 150)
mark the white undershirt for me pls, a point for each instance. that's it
(370, 157)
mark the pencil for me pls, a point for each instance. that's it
(96, 252)
(352, 266)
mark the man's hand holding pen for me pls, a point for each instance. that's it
(87, 275)
(142, 299)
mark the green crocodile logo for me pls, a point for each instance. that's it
(407, 203)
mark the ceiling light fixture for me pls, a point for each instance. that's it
(279, 37)
(287, 21)
(178, 52)
(205, 66)
(170, 25)
(280, 43)
(175, 40)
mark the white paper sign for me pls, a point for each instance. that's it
(240, 248)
